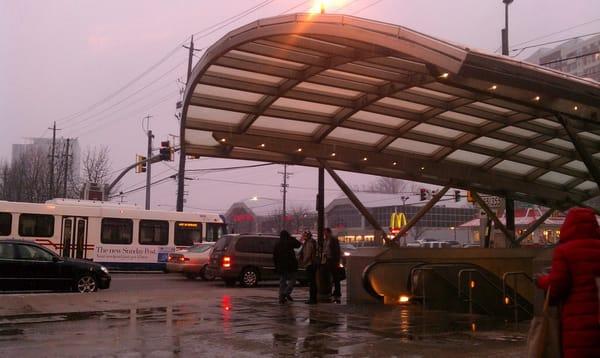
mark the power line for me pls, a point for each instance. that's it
(557, 32)
(69, 118)
(229, 168)
(570, 58)
(85, 119)
(367, 7)
(136, 111)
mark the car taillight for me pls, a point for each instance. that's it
(170, 259)
(226, 262)
(184, 259)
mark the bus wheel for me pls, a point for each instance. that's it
(85, 284)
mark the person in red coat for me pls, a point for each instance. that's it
(572, 282)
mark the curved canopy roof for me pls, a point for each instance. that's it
(381, 99)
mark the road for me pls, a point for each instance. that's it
(158, 315)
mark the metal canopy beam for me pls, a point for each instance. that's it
(497, 223)
(534, 225)
(587, 159)
(424, 210)
(354, 200)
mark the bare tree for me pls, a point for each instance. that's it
(417, 231)
(389, 186)
(300, 218)
(95, 165)
(26, 178)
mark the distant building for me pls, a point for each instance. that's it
(265, 216)
(583, 57)
(44, 145)
(441, 223)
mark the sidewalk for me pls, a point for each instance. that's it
(242, 323)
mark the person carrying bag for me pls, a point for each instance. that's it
(543, 338)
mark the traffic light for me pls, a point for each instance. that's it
(165, 151)
(141, 164)
(423, 194)
(457, 195)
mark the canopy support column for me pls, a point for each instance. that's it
(424, 210)
(587, 159)
(361, 208)
(509, 207)
(321, 206)
(510, 236)
(535, 225)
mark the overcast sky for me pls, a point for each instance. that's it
(58, 58)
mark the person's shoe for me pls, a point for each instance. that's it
(289, 298)
(337, 300)
(282, 300)
(310, 302)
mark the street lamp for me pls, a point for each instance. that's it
(275, 201)
(505, 29)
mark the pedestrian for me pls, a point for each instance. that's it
(308, 260)
(286, 265)
(572, 283)
(331, 261)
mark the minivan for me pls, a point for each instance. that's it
(247, 258)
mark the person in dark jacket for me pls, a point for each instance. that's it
(572, 283)
(308, 260)
(331, 260)
(286, 265)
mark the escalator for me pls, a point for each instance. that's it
(453, 287)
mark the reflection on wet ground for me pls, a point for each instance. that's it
(253, 326)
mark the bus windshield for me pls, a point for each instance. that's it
(214, 231)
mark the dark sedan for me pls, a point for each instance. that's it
(26, 266)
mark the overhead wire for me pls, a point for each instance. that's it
(156, 80)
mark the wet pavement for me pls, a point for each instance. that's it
(226, 322)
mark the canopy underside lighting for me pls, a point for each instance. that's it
(382, 99)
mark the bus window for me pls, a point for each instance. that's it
(116, 231)
(154, 232)
(187, 233)
(5, 224)
(34, 225)
(214, 231)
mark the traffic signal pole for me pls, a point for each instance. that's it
(149, 170)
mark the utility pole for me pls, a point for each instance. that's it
(284, 187)
(509, 203)
(66, 169)
(505, 50)
(181, 171)
(149, 163)
(52, 156)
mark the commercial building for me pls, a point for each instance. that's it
(441, 223)
(43, 146)
(577, 57)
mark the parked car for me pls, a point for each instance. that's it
(453, 243)
(192, 261)
(435, 244)
(246, 258)
(27, 266)
(471, 245)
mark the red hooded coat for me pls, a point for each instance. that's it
(575, 265)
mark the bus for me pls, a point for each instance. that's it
(122, 237)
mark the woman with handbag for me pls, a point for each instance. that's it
(572, 283)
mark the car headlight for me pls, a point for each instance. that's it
(104, 269)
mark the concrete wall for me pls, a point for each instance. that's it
(393, 278)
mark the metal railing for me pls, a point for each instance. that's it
(505, 297)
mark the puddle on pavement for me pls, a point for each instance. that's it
(291, 329)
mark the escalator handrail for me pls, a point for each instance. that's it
(367, 271)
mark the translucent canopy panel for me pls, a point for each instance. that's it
(382, 99)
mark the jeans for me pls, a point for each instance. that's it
(311, 272)
(286, 283)
(337, 290)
